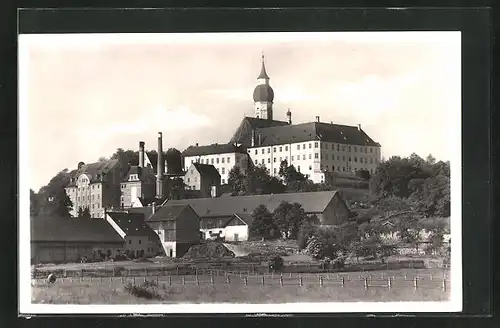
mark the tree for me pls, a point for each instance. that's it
(262, 224)
(126, 157)
(430, 159)
(237, 181)
(363, 174)
(306, 231)
(34, 204)
(52, 198)
(84, 213)
(288, 218)
(102, 159)
(174, 161)
(177, 188)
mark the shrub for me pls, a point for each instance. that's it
(276, 263)
(146, 290)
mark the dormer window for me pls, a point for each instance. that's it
(134, 177)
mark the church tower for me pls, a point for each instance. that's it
(263, 95)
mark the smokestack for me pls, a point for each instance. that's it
(359, 127)
(317, 119)
(165, 168)
(253, 137)
(141, 153)
(159, 168)
(289, 116)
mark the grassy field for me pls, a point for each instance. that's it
(248, 289)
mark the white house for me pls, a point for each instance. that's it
(238, 227)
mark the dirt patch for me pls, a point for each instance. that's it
(208, 250)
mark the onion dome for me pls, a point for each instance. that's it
(263, 93)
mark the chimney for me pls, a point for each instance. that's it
(196, 144)
(165, 169)
(253, 137)
(153, 207)
(289, 116)
(213, 191)
(317, 119)
(159, 168)
(359, 127)
(141, 153)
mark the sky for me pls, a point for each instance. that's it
(83, 96)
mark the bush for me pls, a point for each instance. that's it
(276, 263)
(146, 290)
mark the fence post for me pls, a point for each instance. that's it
(343, 282)
(134, 280)
(281, 281)
(177, 267)
(211, 280)
(146, 272)
(389, 283)
(406, 276)
(301, 283)
(444, 284)
(246, 281)
(263, 281)
(431, 277)
(144, 279)
(156, 280)
(170, 280)
(183, 280)
(228, 280)
(366, 283)
(197, 281)
(415, 282)
(321, 281)
(290, 274)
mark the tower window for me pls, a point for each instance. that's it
(274, 149)
(315, 145)
(281, 149)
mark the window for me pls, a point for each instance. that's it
(315, 145)
(298, 168)
(371, 150)
(195, 179)
(211, 161)
(268, 150)
(263, 161)
(192, 161)
(223, 160)
(274, 170)
(355, 159)
(310, 145)
(256, 151)
(274, 149)
(92, 197)
(366, 150)
(286, 158)
(338, 147)
(274, 160)
(321, 167)
(298, 147)
(229, 159)
(304, 146)
(262, 150)
(310, 156)
(286, 148)
(223, 181)
(315, 155)
(338, 158)
(92, 186)
(269, 160)
(371, 160)
(333, 167)
(129, 242)
(217, 160)
(304, 157)
(281, 159)
(292, 158)
(343, 158)
(140, 241)
(355, 149)
(281, 149)
(223, 170)
(349, 158)
(310, 167)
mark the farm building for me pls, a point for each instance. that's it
(216, 213)
(238, 227)
(58, 240)
(178, 228)
(140, 239)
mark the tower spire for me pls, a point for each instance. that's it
(263, 74)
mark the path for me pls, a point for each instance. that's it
(238, 250)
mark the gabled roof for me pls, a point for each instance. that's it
(95, 171)
(243, 134)
(150, 200)
(207, 170)
(53, 229)
(212, 149)
(312, 202)
(342, 134)
(133, 224)
(144, 173)
(170, 212)
(246, 218)
(146, 211)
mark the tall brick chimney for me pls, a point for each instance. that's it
(141, 153)
(159, 168)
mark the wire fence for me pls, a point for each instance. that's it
(218, 277)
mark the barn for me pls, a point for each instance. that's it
(61, 240)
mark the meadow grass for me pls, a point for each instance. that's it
(117, 291)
